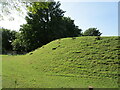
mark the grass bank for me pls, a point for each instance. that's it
(65, 63)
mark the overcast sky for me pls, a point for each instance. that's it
(101, 15)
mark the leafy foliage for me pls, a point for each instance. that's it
(9, 7)
(45, 24)
(8, 37)
(92, 32)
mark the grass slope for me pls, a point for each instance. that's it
(65, 63)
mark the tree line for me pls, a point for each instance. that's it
(45, 22)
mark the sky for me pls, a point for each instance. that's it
(101, 15)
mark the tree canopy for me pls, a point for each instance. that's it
(92, 32)
(10, 7)
(44, 24)
(8, 37)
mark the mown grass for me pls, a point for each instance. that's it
(65, 63)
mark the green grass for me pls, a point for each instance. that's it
(65, 63)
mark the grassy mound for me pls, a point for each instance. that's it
(65, 63)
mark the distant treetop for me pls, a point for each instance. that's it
(92, 32)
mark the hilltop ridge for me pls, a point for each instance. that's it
(93, 61)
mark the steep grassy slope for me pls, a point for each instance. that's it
(69, 63)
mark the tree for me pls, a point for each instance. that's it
(0, 41)
(18, 43)
(92, 32)
(8, 37)
(44, 25)
(10, 7)
(69, 28)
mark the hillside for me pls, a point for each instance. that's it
(65, 63)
